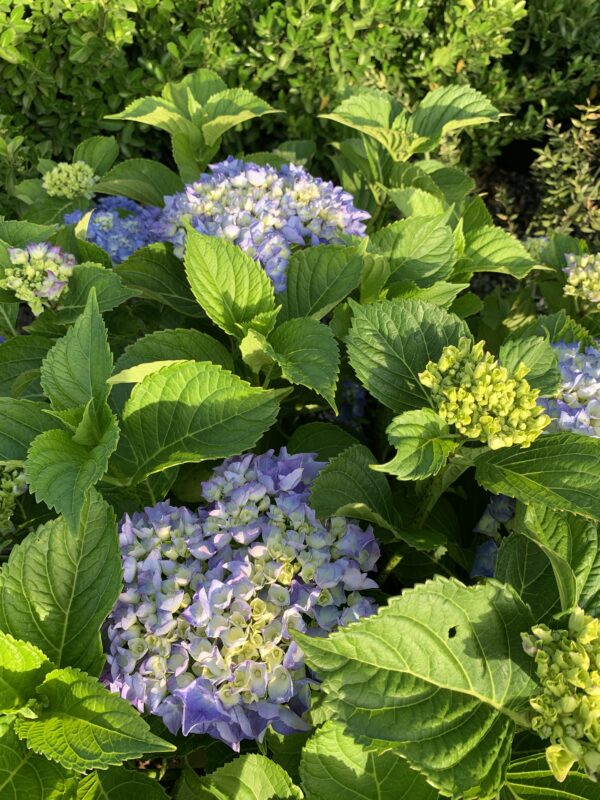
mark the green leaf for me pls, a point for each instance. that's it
(322, 438)
(20, 422)
(440, 294)
(570, 543)
(26, 776)
(451, 108)
(230, 286)
(423, 443)
(390, 342)
(60, 470)
(559, 471)
(523, 564)
(530, 779)
(308, 354)
(18, 234)
(138, 373)
(67, 239)
(371, 112)
(229, 108)
(453, 183)
(191, 412)
(318, 278)
(154, 273)
(118, 783)
(76, 368)
(100, 152)
(333, 765)
(537, 354)
(142, 180)
(84, 726)
(250, 777)
(491, 249)
(439, 675)
(22, 668)
(59, 584)
(21, 355)
(414, 202)
(420, 249)
(158, 112)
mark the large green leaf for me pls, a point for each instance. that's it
(324, 439)
(77, 367)
(155, 273)
(60, 470)
(229, 108)
(333, 764)
(20, 422)
(372, 113)
(390, 342)
(191, 412)
(20, 356)
(27, 776)
(158, 112)
(318, 278)
(491, 249)
(17, 233)
(308, 354)
(559, 471)
(22, 668)
(440, 675)
(530, 779)
(523, 564)
(538, 355)
(118, 783)
(82, 725)
(451, 108)
(250, 777)
(423, 443)
(100, 152)
(230, 286)
(60, 584)
(140, 179)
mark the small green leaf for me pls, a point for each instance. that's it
(118, 783)
(423, 443)
(20, 422)
(531, 779)
(390, 342)
(59, 584)
(142, 180)
(308, 354)
(100, 152)
(249, 777)
(22, 668)
(84, 726)
(230, 286)
(537, 354)
(334, 764)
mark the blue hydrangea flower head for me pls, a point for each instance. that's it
(119, 226)
(265, 211)
(202, 633)
(577, 406)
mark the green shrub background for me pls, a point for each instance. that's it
(65, 64)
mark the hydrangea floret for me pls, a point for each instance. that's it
(499, 510)
(576, 408)
(567, 712)
(70, 180)
(12, 484)
(202, 633)
(473, 392)
(265, 211)
(119, 226)
(583, 276)
(39, 274)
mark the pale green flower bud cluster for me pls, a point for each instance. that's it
(471, 391)
(568, 710)
(583, 276)
(12, 484)
(39, 274)
(70, 180)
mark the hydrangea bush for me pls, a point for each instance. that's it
(294, 500)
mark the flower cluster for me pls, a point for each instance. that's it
(39, 274)
(482, 399)
(536, 245)
(12, 484)
(119, 226)
(583, 276)
(500, 509)
(264, 211)
(567, 712)
(201, 634)
(70, 180)
(577, 406)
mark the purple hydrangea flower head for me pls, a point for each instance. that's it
(265, 211)
(120, 226)
(202, 632)
(577, 405)
(484, 564)
(38, 275)
(583, 276)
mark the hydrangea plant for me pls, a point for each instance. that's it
(38, 275)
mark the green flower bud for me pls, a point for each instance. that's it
(583, 277)
(12, 484)
(70, 180)
(483, 401)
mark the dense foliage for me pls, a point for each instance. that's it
(287, 507)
